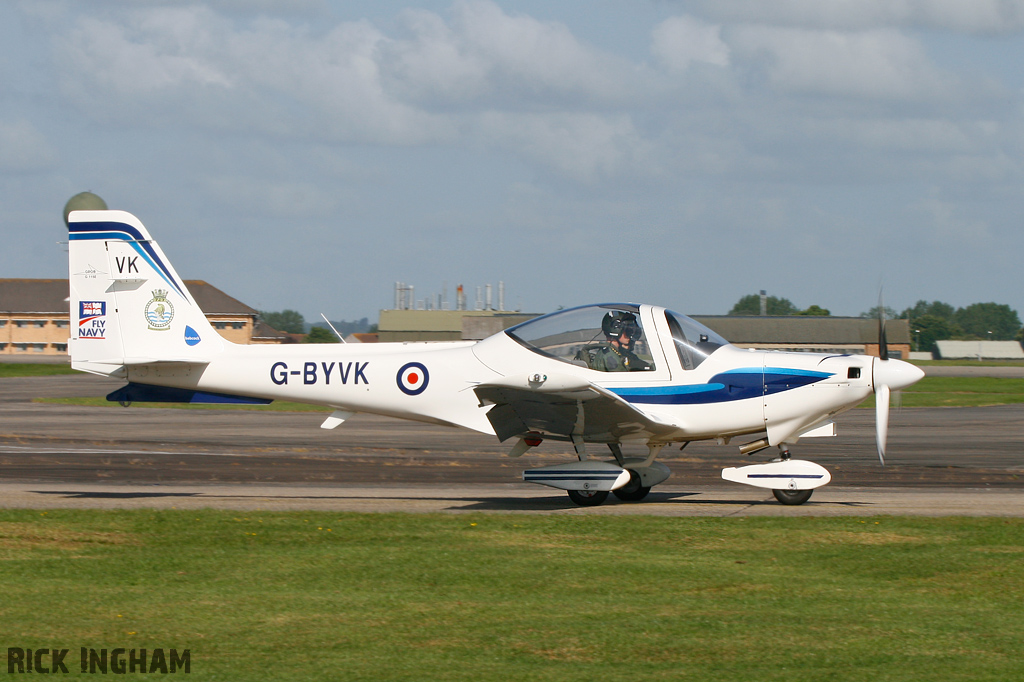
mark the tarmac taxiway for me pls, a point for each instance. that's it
(940, 461)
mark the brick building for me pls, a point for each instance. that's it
(34, 319)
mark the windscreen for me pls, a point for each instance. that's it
(693, 341)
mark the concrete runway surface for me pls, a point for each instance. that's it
(940, 461)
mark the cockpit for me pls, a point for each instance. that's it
(615, 337)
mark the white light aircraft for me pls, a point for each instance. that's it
(595, 375)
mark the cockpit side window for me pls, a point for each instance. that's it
(604, 338)
(693, 341)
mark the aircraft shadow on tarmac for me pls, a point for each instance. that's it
(92, 494)
(553, 503)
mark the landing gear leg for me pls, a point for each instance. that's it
(786, 496)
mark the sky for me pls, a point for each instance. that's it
(308, 154)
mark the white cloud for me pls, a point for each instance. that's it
(974, 16)
(933, 136)
(940, 223)
(282, 199)
(679, 41)
(342, 82)
(880, 63)
(539, 56)
(23, 148)
(486, 54)
(334, 80)
(163, 49)
(434, 64)
(483, 78)
(192, 65)
(586, 147)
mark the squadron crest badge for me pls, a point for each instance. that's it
(159, 311)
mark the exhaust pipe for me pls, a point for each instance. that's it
(751, 448)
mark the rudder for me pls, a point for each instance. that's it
(128, 305)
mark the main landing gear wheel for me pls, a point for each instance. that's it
(632, 491)
(588, 498)
(792, 496)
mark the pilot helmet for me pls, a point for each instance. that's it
(617, 322)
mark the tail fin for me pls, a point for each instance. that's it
(128, 305)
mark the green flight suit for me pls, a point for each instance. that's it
(612, 359)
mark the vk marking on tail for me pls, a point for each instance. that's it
(109, 231)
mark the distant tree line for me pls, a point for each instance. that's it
(936, 321)
(751, 305)
(929, 321)
(292, 322)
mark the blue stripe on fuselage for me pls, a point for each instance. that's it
(735, 384)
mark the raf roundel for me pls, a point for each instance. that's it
(413, 378)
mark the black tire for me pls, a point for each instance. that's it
(632, 491)
(588, 498)
(792, 496)
(632, 496)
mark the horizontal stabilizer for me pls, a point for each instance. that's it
(792, 474)
(145, 393)
(141, 360)
(164, 361)
(336, 419)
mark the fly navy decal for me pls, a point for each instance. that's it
(92, 323)
(320, 372)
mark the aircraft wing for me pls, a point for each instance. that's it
(564, 406)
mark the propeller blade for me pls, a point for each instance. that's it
(881, 419)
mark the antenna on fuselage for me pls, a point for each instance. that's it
(340, 337)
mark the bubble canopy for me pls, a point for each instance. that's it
(580, 335)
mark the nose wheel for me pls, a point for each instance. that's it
(633, 491)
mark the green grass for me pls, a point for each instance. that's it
(309, 595)
(968, 363)
(26, 369)
(961, 392)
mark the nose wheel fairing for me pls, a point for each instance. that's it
(788, 474)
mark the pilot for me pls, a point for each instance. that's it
(622, 331)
